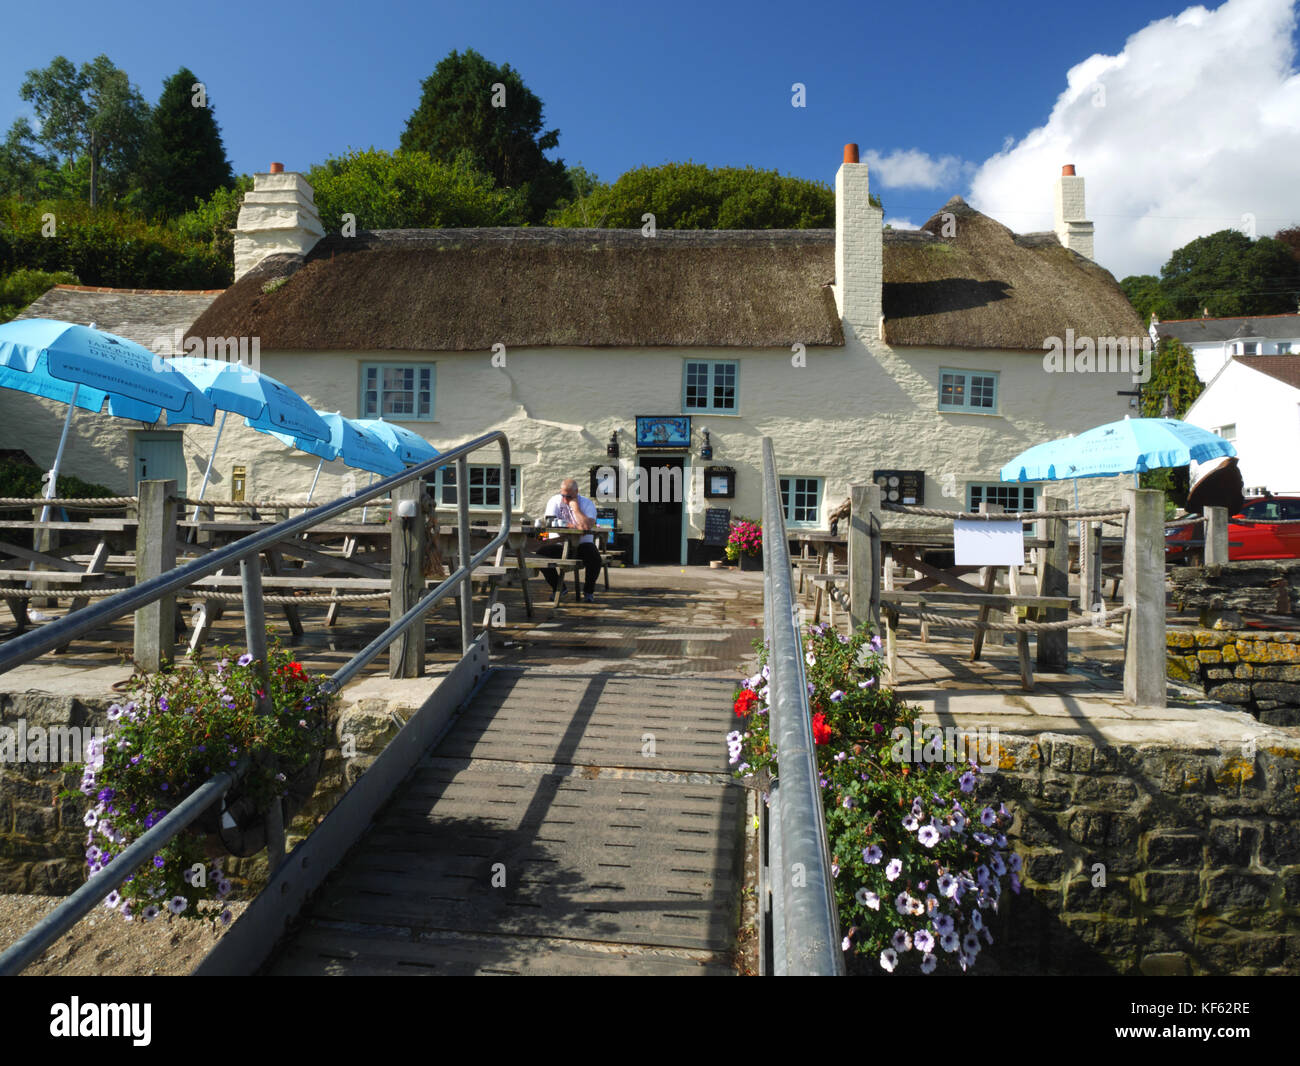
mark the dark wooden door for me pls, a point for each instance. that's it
(659, 510)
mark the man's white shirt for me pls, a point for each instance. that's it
(558, 507)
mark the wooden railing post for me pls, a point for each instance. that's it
(1053, 580)
(864, 555)
(1144, 596)
(1216, 536)
(406, 656)
(155, 554)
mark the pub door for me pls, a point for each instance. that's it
(659, 510)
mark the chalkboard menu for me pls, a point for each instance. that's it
(900, 486)
(717, 525)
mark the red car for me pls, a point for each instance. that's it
(1267, 540)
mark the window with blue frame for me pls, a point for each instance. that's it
(1011, 495)
(484, 486)
(710, 387)
(399, 392)
(968, 390)
(801, 500)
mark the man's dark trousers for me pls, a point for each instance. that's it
(586, 552)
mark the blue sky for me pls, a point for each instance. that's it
(1182, 119)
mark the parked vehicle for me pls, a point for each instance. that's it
(1269, 539)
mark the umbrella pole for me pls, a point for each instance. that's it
(208, 472)
(311, 492)
(50, 488)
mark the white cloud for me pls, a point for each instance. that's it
(901, 223)
(1192, 127)
(912, 169)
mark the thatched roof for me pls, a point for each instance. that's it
(465, 290)
(986, 287)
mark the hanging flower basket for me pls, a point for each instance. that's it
(179, 729)
(745, 541)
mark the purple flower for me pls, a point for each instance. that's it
(988, 816)
(112, 900)
(893, 869)
(243, 660)
(872, 854)
(928, 964)
(837, 696)
(901, 940)
(867, 683)
(943, 924)
(923, 941)
(150, 913)
(177, 904)
(967, 782)
(158, 861)
(929, 836)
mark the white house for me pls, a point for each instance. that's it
(864, 353)
(1254, 401)
(1213, 341)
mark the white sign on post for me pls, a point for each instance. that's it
(977, 542)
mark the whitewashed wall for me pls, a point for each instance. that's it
(1266, 413)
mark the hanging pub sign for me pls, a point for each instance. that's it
(719, 482)
(900, 486)
(663, 431)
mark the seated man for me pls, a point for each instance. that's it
(576, 512)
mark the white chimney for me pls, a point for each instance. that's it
(1072, 227)
(279, 215)
(859, 248)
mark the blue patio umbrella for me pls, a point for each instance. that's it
(354, 444)
(88, 368)
(266, 404)
(1131, 446)
(410, 447)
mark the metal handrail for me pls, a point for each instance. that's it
(803, 901)
(245, 551)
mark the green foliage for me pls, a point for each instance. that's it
(1147, 297)
(106, 247)
(178, 730)
(913, 867)
(211, 221)
(692, 196)
(1231, 275)
(410, 190)
(456, 114)
(183, 160)
(20, 288)
(1173, 374)
(92, 115)
(22, 480)
(1291, 238)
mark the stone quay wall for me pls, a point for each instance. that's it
(43, 837)
(1154, 859)
(1256, 670)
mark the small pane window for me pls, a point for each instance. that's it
(403, 392)
(710, 387)
(968, 390)
(801, 500)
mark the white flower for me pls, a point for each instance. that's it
(929, 836)
(810, 659)
(948, 941)
(928, 964)
(909, 823)
(901, 941)
(846, 944)
(923, 940)
(889, 959)
(893, 869)
(177, 904)
(903, 903)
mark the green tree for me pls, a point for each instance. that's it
(211, 220)
(24, 171)
(184, 161)
(410, 190)
(93, 117)
(20, 288)
(470, 104)
(1147, 297)
(1291, 238)
(693, 196)
(1231, 275)
(1173, 374)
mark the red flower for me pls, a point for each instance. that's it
(821, 731)
(745, 703)
(295, 671)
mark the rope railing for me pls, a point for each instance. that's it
(1093, 620)
(60, 501)
(1024, 516)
